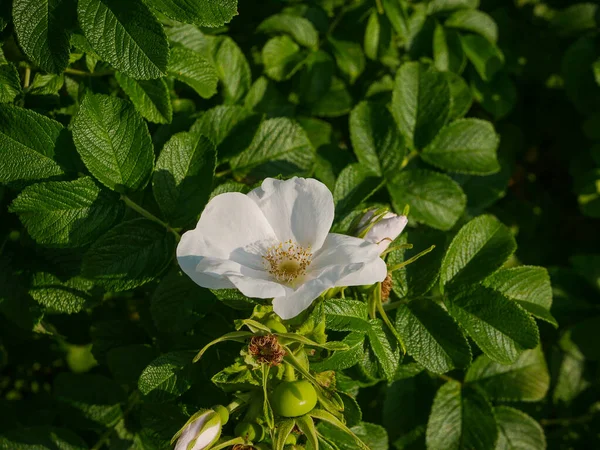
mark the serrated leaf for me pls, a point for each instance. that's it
(498, 96)
(378, 37)
(233, 70)
(480, 248)
(301, 29)
(280, 147)
(525, 380)
(349, 57)
(448, 54)
(167, 377)
(67, 213)
(336, 102)
(343, 359)
(421, 102)
(484, 55)
(354, 185)
(529, 286)
(178, 303)
(182, 181)
(517, 430)
(465, 146)
(41, 437)
(10, 83)
(316, 77)
(398, 16)
(571, 379)
(499, 326)
(89, 401)
(346, 315)
(192, 38)
(127, 35)
(378, 144)
(374, 436)
(265, 97)
(131, 254)
(150, 97)
(67, 297)
(461, 419)
(282, 58)
(434, 198)
(474, 21)
(437, 6)
(114, 142)
(194, 70)
(388, 355)
(205, 13)
(231, 128)
(28, 144)
(43, 31)
(432, 338)
(46, 84)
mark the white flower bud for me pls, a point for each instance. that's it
(381, 229)
(200, 432)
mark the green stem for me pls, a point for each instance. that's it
(223, 173)
(380, 9)
(81, 73)
(290, 373)
(386, 319)
(408, 158)
(148, 215)
(567, 421)
(27, 78)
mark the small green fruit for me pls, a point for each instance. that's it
(294, 398)
(223, 412)
(250, 431)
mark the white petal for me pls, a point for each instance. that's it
(300, 209)
(191, 431)
(342, 261)
(230, 222)
(386, 230)
(207, 437)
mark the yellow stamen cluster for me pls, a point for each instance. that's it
(287, 261)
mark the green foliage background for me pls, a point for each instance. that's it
(119, 120)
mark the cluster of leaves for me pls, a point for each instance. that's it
(120, 120)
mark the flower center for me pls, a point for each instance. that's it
(287, 261)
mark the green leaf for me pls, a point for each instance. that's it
(43, 30)
(374, 436)
(178, 303)
(167, 377)
(525, 380)
(378, 36)
(194, 70)
(448, 54)
(421, 102)
(461, 419)
(571, 379)
(378, 144)
(462, 97)
(66, 297)
(282, 58)
(127, 35)
(349, 57)
(465, 146)
(498, 96)
(280, 146)
(354, 185)
(67, 213)
(127, 363)
(205, 13)
(346, 315)
(114, 142)
(182, 181)
(388, 356)
(150, 97)
(475, 21)
(41, 437)
(28, 144)
(437, 6)
(432, 338)
(517, 430)
(190, 37)
(316, 77)
(480, 248)
(307, 426)
(485, 56)
(336, 102)
(529, 286)
(398, 17)
(131, 254)
(499, 326)
(10, 83)
(233, 70)
(46, 84)
(88, 401)
(575, 19)
(343, 359)
(301, 29)
(434, 198)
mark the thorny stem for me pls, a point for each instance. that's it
(137, 208)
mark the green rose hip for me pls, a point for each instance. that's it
(294, 398)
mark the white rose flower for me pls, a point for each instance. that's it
(275, 243)
(381, 230)
(200, 432)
